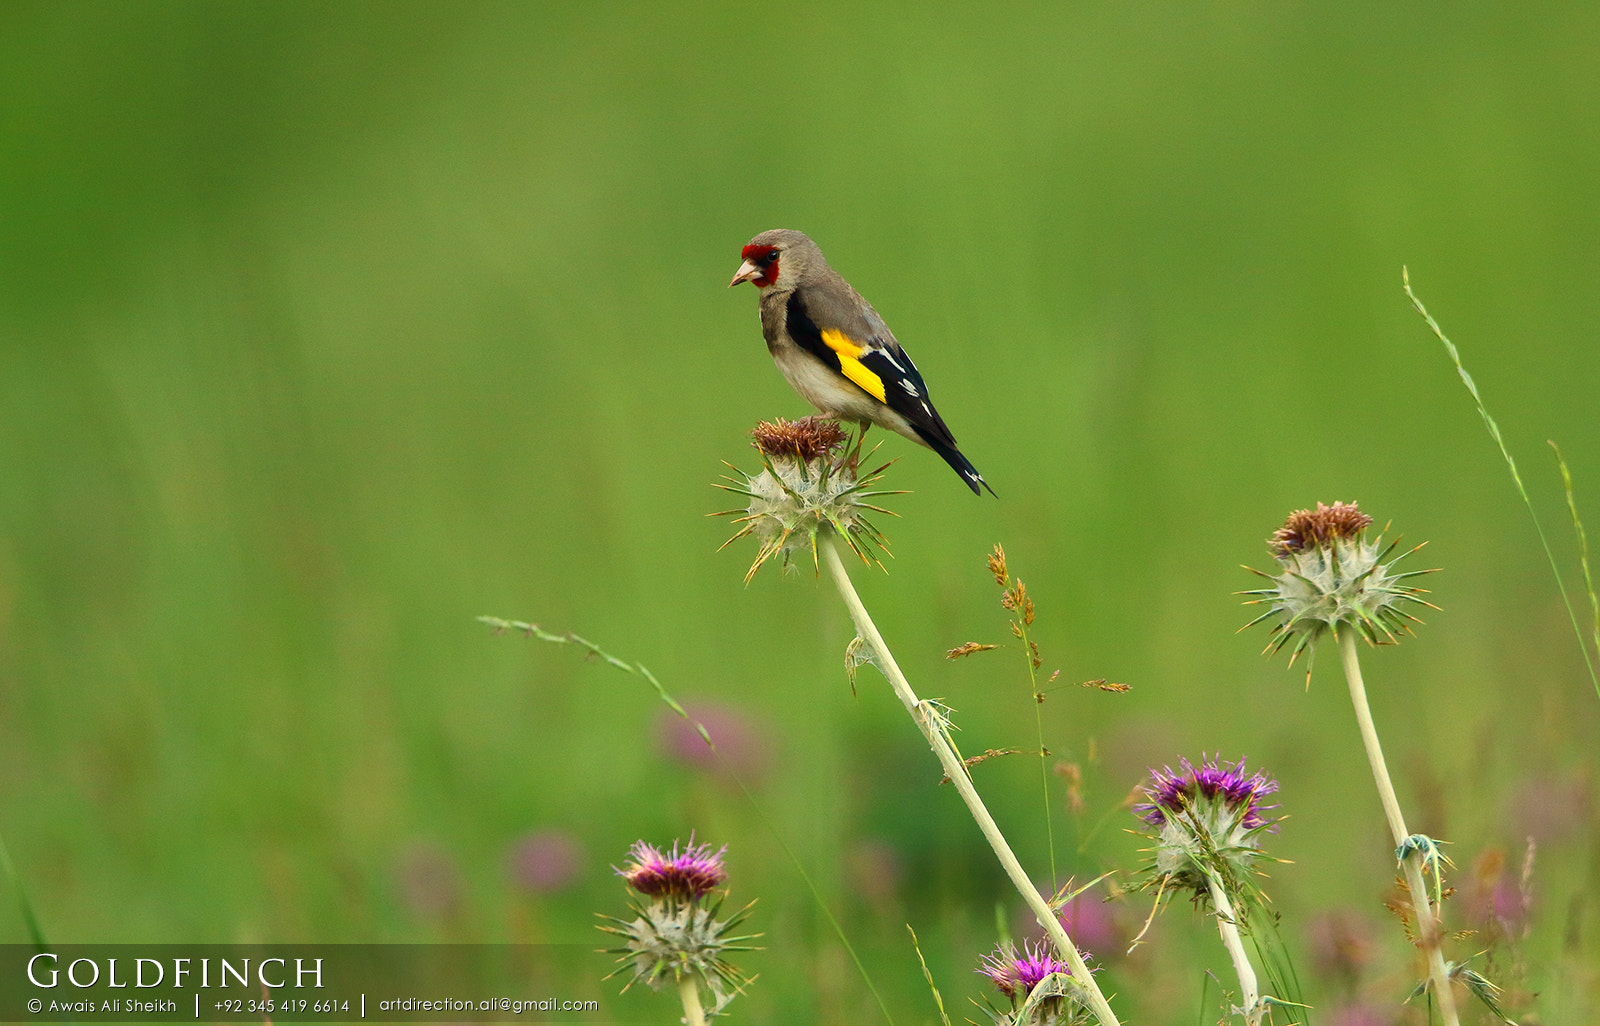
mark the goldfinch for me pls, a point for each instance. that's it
(836, 351)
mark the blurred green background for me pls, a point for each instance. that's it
(325, 328)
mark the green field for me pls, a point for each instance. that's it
(326, 328)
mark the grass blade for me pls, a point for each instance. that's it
(1494, 432)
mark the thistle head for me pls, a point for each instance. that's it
(809, 488)
(675, 934)
(1017, 973)
(1332, 577)
(1207, 821)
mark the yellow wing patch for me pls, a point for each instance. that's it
(850, 362)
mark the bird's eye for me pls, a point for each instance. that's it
(770, 257)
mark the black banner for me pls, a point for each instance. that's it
(288, 983)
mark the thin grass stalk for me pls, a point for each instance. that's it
(1516, 478)
(956, 770)
(927, 974)
(1427, 924)
(1044, 759)
(1583, 544)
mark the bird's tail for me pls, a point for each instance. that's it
(960, 464)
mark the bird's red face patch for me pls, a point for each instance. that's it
(766, 258)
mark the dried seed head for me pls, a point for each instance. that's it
(1333, 577)
(1320, 527)
(809, 488)
(997, 566)
(806, 439)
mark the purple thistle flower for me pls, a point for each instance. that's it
(1171, 794)
(1016, 972)
(546, 861)
(686, 876)
(1207, 821)
(742, 739)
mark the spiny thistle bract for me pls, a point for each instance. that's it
(1018, 973)
(1332, 577)
(1208, 822)
(676, 935)
(809, 487)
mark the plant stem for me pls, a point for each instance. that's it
(1038, 720)
(689, 994)
(956, 770)
(1228, 926)
(1427, 924)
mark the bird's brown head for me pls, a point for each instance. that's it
(777, 257)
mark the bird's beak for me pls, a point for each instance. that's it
(747, 270)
